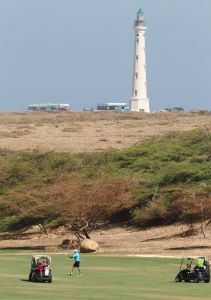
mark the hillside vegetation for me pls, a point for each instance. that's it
(158, 181)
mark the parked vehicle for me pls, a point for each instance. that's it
(194, 269)
(40, 269)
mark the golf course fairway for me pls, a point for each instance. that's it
(103, 277)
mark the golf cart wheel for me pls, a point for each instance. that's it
(207, 280)
(178, 278)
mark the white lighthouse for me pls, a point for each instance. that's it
(139, 100)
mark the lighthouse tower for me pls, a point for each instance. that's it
(139, 100)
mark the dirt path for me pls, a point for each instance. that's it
(160, 241)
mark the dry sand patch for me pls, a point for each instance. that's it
(90, 131)
(157, 241)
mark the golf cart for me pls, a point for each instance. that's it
(194, 269)
(40, 269)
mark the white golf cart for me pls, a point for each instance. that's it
(40, 269)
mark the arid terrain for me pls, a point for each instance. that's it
(159, 241)
(91, 131)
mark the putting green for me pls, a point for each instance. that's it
(104, 277)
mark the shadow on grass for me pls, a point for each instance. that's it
(24, 248)
(25, 280)
(188, 248)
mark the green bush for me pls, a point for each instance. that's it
(14, 223)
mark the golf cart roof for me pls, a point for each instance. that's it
(41, 256)
(194, 257)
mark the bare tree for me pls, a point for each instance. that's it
(197, 207)
(83, 227)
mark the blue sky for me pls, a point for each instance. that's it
(81, 52)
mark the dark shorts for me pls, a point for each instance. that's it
(76, 264)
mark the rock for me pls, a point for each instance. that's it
(88, 246)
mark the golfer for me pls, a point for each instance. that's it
(76, 264)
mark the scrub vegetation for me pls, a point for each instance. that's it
(157, 181)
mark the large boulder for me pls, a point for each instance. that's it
(88, 246)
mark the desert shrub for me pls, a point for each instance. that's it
(58, 204)
(5, 171)
(200, 158)
(139, 184)
(172, 176)
(19, 222)
(154, 213)
(55, 222)
(13, 173)
(193, 206)
(194, 137)
(174, 173)
(173, 157)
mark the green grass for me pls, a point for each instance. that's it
(104, 277)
